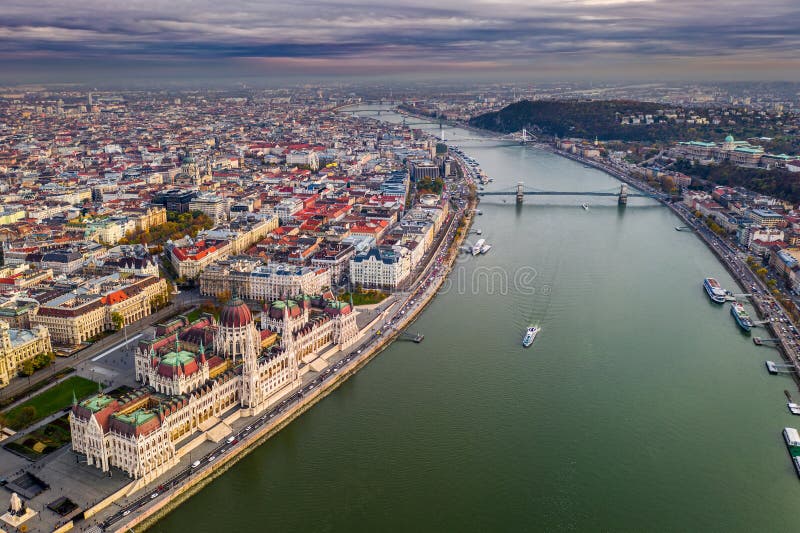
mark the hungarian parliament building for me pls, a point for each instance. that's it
(194, 374)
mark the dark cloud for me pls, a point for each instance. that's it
(500, 35)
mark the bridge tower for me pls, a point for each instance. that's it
(623, 194)
(520, 193)
(524, 135)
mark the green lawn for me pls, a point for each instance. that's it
(364, 297)
(43, 440)
(48, 402)
(194, 314)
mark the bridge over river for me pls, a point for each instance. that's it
(520, 191)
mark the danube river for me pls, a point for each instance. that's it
(639, 407)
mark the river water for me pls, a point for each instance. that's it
(639, 407)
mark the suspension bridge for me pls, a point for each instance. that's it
(521, 191)
(523, 137)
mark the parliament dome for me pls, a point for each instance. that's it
(235, 314)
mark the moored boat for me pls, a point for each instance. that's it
(741, 316)
(476, 249)
(792, 439)
(714, 290)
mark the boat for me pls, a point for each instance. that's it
(530, 335)
(476, 248)
(485, 248)
(478, 231)
(792, 439)
(741, 316)
(585, 206)
(714, 290)
(793, 408)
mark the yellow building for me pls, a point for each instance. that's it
(18, 346)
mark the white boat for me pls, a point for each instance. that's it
(530, 336)
(793, 408)
(585, 206)
(478, 231)
(485, 248)
(476, 248)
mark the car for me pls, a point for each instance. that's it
(126, 512)
(210, 459)
(231, 439)
(154, 496)
(248, 428)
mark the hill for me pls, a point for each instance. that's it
(600, 118)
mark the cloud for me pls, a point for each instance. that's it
(406, 34)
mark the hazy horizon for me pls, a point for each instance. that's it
(90, 41)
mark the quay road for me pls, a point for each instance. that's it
(421, 290)
(181, 301)
(769, 309)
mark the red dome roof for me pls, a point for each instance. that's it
(235, 314)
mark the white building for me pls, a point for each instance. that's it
(256, 281)
(307, 158)
(381, 267)
(215, 207)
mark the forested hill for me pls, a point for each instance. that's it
(568, 118)
(597, 118)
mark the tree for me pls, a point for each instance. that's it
(27, 368)
(26, 415)
(668, 185)
(117, 320)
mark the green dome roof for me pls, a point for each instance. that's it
(729, 139)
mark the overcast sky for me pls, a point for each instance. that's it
(493, 39)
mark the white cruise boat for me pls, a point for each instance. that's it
(476, 248)
(485, 248)
(530, 336)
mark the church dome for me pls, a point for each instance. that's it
(235, 314)
(729, 139)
